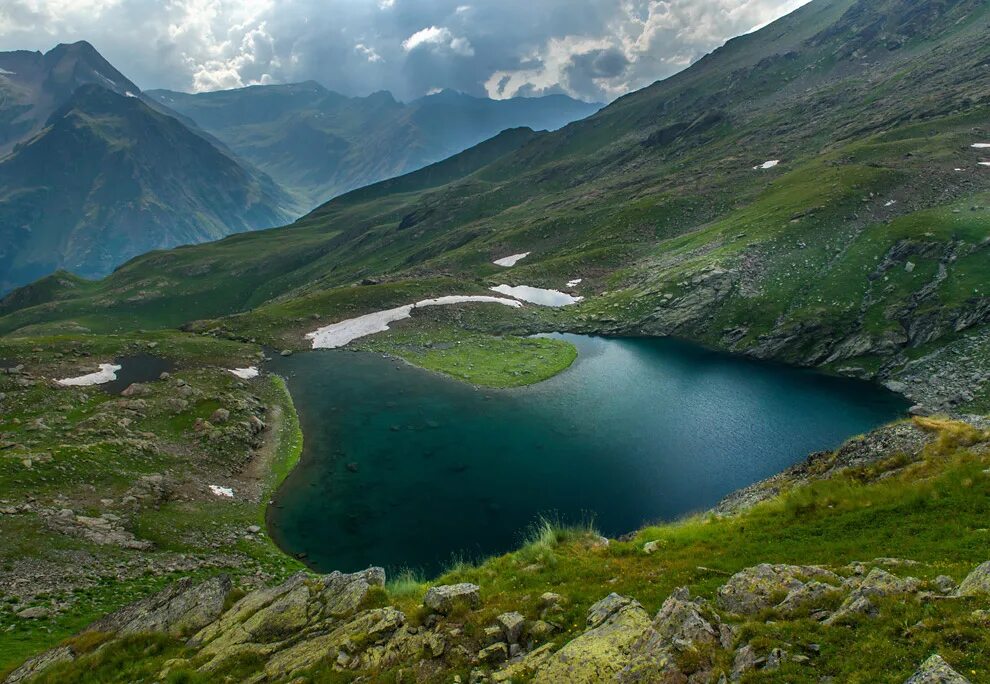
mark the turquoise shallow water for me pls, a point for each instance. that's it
(405, 468)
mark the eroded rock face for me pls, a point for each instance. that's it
(277, 619)
(977, 582)
(763, 586)
(936, 671)
(38, 664)
(447, 598)
(602, 652)
(679, 626)
(182, 608)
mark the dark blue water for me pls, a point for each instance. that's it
(137, 368)
(405, 468)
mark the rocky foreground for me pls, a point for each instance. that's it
(332, 622)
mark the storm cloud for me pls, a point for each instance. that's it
(590, 49)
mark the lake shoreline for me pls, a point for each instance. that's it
(276, 511)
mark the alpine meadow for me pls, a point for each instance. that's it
(689, 387)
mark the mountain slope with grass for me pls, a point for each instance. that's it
(92, 173)
(319, 143)
(858, 250)
(109, 178)
(812, 192)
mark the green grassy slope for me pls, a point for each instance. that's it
(654, 202)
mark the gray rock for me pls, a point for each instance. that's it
(35, 613)
(754, 589)
(811, 595)
(494, 654)
(182, 608)
(444, 599)
(602, 610)
(775, 659)
(678, 626)
(511, 625)
(936, 671)
(977, 582)
(38, 664)
(945, 584)
(220, 416)
(745, 661)
(859, 605)
(342, 594)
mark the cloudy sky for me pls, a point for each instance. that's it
(590, 49)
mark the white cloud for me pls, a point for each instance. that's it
(588, 48)
(654, 38)
(438, 37)
(368, 53)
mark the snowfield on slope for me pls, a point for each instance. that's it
(107, 373)
(339, 334)
(509, 261)
(537, 295)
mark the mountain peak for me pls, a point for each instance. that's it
(70, 65)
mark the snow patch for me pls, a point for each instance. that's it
(244, 373)
(981, 146)
(4, 72)
(339, 334)
(128, 93)
(222, 491)
(537, 295)
(984, 163)
(890, 203)
(510, 261)
(766, 165)
(107, 373)
(575, 282)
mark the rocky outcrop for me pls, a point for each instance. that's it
(600, 654)
(337, 622)
(904, 440)
(448, 598)
(977, 582)
(180, 610)
(936, 671)
(761, 587)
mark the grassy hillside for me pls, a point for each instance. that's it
(862, 245)
(863, 250)
(917, 511)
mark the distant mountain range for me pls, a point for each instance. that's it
(319, 144)
(94, 172)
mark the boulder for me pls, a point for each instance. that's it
(511, 625)
(494, 654)
(602, 652)
(135, 390)
(180, 609)
(936, 671)
(220, 416)
(447, 598)
(744, 661)
(341, 595)
(372, 627)
(808, 596)
(977, 582)
(859, 605)
(879, 583)
(602, 610)
(38, 664)
(678, 626)
(754, 589)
